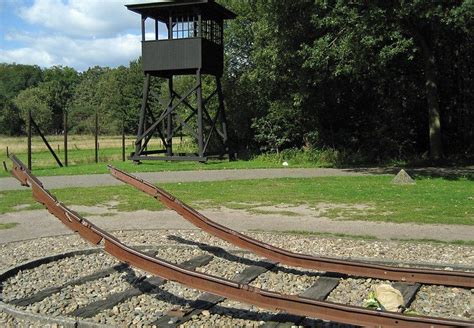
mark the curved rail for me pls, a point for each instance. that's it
(219, 286)
(427, 276)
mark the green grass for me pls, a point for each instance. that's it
(8, 225)
(430, 201)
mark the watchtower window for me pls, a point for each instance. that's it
(212, 31)
(185, 27)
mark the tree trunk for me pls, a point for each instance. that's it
(432, 98)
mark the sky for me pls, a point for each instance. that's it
(74, 33)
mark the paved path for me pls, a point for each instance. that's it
(39, 223)
(181, 176)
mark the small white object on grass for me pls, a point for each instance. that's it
(285, 164)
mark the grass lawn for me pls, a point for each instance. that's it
(367, 198)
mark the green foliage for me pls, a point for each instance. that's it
(353, 74)
(60, 82)
(13, 79)
(38, 101)
(311, 157)
(278, 128)
(115, 94)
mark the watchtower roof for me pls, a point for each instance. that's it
(162, 10)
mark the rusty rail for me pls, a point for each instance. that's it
(219, 286)
(426, 276)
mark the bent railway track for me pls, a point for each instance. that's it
(239, 291)
(446, 278)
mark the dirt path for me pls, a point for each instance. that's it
(39, 223)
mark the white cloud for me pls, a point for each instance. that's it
(78, 53)
(76, 33)
(92, 18)
(26, 56)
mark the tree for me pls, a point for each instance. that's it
(13, 79)
(431, 26)
(37, 100)
(86, 101)
(401, 41)
(60, 82)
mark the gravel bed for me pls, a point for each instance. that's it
(231, 314)
(382, 250)
(178, 255)
(436, 301)
(73, 297)
(227, 265)
(446, 302)
(286, 280)
(144, 309)
(15, 253)
(353, 291)
(55, 273)
(7, 320)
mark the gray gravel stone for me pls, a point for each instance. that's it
(55, 274)
(446, 302)
(287, 280)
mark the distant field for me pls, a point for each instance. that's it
(19, 144)
(81, 143)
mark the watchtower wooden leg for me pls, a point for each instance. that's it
(199, 114)
(169, 128)
(141, 122)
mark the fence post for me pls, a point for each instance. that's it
(29, 139)
(96, 137)
(65, 137)
(123, 140)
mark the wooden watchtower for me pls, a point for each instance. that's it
(193, 46)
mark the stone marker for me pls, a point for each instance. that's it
(402, 178)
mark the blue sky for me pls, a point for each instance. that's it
(75, 33)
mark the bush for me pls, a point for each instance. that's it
(320, 157)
